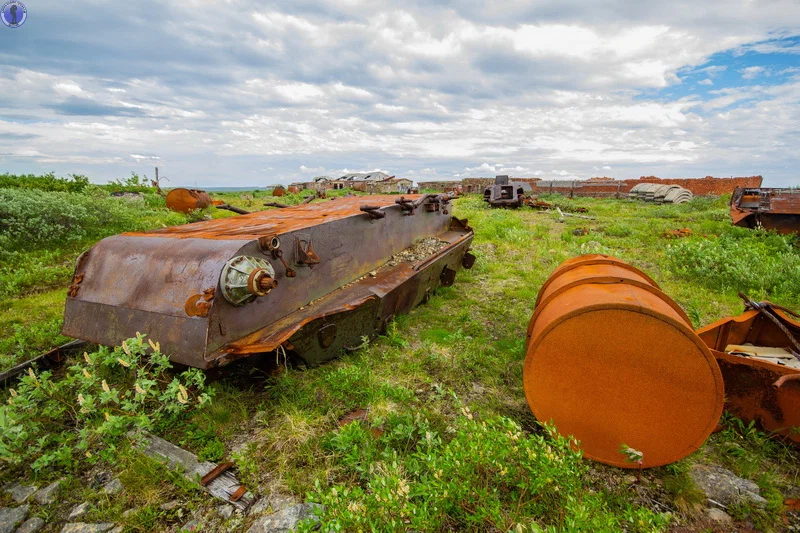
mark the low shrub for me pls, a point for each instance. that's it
(490, 476)
(759, 263)
(53, 423)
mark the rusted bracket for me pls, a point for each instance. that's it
(305, 253)
(406, 205)
(215, 473)
(373, 211)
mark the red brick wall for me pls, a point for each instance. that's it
(707, 186)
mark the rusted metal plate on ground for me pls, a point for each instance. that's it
(189, 288)
(757, 389)
(613, 361)
(776, 209)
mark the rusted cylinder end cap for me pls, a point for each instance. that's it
(259, 282)
(614, 375)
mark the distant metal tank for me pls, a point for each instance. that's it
(756, 352)
(279, 191)
(294, 189)
(776, 209)
(310, 280)
(504, 193)
(187, 200)
(614, 362)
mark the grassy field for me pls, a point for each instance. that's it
(448, 442)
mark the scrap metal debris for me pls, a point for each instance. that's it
(677, 233)
(777, 209)
(758, 353)
(217, 479)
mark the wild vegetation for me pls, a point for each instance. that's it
(441, 438)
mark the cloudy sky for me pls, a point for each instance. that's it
(241, 92)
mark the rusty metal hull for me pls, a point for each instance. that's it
(167, 283)
(758, 389)
(775, 209)
(614, 362)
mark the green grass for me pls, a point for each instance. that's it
(461, 355)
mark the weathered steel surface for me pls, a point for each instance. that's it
(504, 193)
(613, 361)
(166, 282)
(777, 209)
(186, 200)
(766, 391)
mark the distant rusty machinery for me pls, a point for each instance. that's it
(613, 361)
(187, 200)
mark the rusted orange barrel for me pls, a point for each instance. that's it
(614, 362)
(186, 200)
(278, 191)
(293, 189)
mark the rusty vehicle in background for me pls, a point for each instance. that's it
(777, 209)
(505, 193)
(757, 353)
(614, 362)
(311, 280)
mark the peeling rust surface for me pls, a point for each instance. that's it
(777, 209)
(163, 283)
(750, 383)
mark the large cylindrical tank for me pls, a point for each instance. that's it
(186, 200)
(614, 362)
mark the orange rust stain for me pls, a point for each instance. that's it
(274, 221)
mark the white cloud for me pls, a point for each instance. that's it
(419, 87)
(751, 73)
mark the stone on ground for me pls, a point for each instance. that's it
(285, 520)
(79, 527)
(78, 511)
(11, 516)
(725, 487)
(19, 492)
(719, 516)
(31, 525)
(47, 495)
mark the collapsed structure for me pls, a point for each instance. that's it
(777, 209)
(310, 280)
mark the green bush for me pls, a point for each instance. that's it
(45, 182)
(56, 423)
(489, 477)
(761, 264)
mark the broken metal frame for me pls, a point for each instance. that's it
(770, 208)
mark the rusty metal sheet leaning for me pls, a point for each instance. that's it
(215, 291)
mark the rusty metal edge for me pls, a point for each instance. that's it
(596, 261)
(49, 359)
